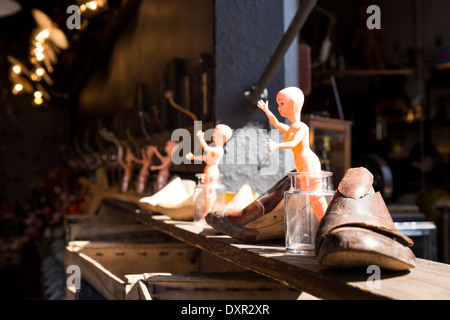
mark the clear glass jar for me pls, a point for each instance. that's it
(305, 204)
(209, 196)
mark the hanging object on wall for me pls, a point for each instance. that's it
(48, 31)
(326, 46)
(169, 97)
(18, 76)
(142, 106)
(87, 9)
(304, 68)
(110, 137)
(94, 6)
(24, 80)
(9, 8)
(46, 42)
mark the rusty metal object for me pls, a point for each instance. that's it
(358, 229)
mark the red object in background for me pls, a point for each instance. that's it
(38, 128)
(19, 149)
(78, 208)
(3, 148)
(443, 57)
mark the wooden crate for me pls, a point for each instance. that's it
(110, 228)
(166, 271)
(111, 223)
(207, 286)
(105, 265)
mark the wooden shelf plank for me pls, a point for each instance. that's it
(429, 280)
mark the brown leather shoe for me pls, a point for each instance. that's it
(357, 229)
(262, 220)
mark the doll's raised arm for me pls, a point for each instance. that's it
(264, 106)
(165, 163)
(205, 146)
(141, 161)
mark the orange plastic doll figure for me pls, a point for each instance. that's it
(296, 137)
(147, 160)
(127, 166)
(166, 162)
(213, 156)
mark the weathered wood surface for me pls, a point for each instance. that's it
(211, 286)
(164, 271)
(429, 280)
(110, 224)
(110, 228)
(105, 265)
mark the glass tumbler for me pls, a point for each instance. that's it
(305, 203)
(209, 196)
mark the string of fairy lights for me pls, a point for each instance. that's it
(46, 43)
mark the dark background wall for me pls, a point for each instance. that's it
(159, 31)
(247, 33)
(32, 142)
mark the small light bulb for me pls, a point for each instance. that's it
(17, 88)
(40, 72)
(38, 101)
(38, 94)
(92, 5)
(41, 36)
(39, 56)
(17, 69)
(39, 48)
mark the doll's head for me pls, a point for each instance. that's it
(129, 157)
(170, 147)
(290, 102)
(150, 151)
(222, 133)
